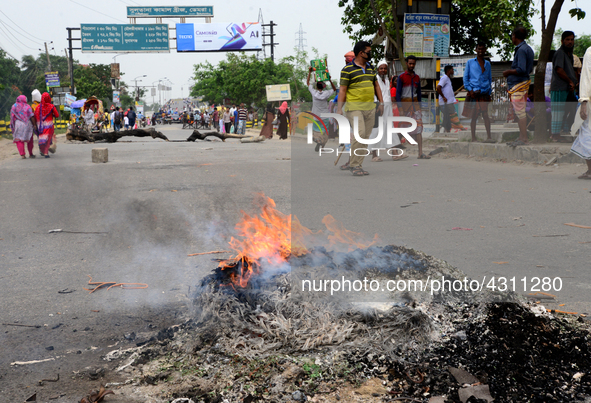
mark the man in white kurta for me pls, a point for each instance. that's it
(380, 148)
(582, 144)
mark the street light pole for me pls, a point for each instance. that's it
(137, 95)
(160, 90)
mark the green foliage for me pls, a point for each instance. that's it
(242, 78)
(94, 79)
(490, 22)
(126, 100)
(577, 12)
(471, 21)
(9, 78)
(312, 370)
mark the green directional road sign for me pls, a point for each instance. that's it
(170, 11)
(124, 38)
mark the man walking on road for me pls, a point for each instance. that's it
(117, 119)
(562, 88)
(132, 117)
(408, 98)
(216, 118)
(518, 80)
(242, 115)
(478, 83)
(358, 86)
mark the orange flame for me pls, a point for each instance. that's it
(273, 237)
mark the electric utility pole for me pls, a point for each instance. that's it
(71, 57)
(272, 35)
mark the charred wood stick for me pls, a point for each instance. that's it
(18, 324)
(197, 135)
(209, 253)
(76, 133)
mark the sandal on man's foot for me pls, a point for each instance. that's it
(376, 159)
(357, 171)
(345, 167)
(424, 157)
(399, 157)
(586, 175)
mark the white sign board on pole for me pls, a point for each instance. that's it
(280, 92)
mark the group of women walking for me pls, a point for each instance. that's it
(283, 119)
(26, 121)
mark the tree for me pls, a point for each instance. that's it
(242, 78)
(9, 78)
(93, 79)
(472, 21)
(541, 129)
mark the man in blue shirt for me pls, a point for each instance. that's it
(478, 83)
(518, 81)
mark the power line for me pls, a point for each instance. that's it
(91, 9)
(7, 37)
(5, 51)
(26, 33)
(14, 36)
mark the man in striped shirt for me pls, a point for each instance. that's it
(358, 88)
(242, 115)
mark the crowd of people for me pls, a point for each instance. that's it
(365, 93)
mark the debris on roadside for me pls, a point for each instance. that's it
(97, 396)
(111, 284)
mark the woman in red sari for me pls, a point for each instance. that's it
(44, 115)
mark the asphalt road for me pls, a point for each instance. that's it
(155, 202)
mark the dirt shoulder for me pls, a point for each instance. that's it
(7, 149)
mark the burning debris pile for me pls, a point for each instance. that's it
(260, 335)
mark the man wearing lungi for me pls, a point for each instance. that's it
(518, 81)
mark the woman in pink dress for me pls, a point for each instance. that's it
(22, 124)
(44, 115)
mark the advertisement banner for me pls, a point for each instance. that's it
(219, 37)
(52, 79)
(426, 35)
(70, 99)
(280, 92)
(116, 97)
(115, 70)
(128, 38)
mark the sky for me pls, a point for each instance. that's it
(33, 22)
